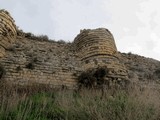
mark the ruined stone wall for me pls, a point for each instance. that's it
(29, 61)
(8, 31)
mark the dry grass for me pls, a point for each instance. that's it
(42, 103)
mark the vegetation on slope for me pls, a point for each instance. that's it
(42, 103)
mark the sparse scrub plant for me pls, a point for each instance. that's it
(37, 37)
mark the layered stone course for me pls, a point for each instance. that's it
(30, 61)
(94, 42)
(97, 48)
(8, 31)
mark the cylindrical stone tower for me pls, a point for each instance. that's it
(8, 31)
(96, 48)
(95, 42)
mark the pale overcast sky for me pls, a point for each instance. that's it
(135, 24)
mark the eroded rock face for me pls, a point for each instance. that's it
(8, 31)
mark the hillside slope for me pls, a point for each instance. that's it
(141, 70)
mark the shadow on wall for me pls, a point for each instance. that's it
(2, 71)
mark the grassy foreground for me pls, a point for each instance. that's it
(45, 104)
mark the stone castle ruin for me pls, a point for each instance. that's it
(96, 48)
(28, 61)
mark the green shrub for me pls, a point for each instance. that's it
(92, 77)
